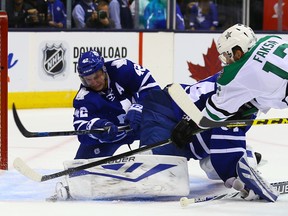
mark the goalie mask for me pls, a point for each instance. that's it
(237, 35)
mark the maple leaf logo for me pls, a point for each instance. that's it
(212, 64)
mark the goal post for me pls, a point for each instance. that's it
(4, 90)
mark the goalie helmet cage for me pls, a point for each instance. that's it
(4, 90)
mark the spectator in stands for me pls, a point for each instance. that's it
(21, 14)
(180, 23)
(82, 11)
(41, 7)
(100, 19)
(155, 15)
(141, 6)
(203, 15)
(121, 14)
(56, 15)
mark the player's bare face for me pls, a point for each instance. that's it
(96, 81)
(238, 55)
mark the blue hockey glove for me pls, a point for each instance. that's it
(134, 116)
(106, 136)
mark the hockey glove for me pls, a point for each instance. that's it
(183, 132)
(246, 111)
(106, 136)
(134, 116)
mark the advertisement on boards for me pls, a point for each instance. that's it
(48, 62)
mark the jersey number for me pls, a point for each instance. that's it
(139, 69)
(270, 67)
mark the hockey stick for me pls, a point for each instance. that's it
(282, 187)
(23, 168)
(180, 97)
(30, 134)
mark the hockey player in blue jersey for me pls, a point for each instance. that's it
(110, 95)
(219, 150)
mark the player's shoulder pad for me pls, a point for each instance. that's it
(118, 64)
(119, 67)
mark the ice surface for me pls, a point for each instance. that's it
(20, 196)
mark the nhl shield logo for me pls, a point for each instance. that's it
(53, 62)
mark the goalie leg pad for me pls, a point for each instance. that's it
(251, 156)
(138, 176)
(253, 181)
(208, 168)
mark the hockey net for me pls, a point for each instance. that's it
(3, 90)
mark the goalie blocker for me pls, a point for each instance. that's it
(141, 176)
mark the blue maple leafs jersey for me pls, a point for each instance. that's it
(161, 115)
(128, 83)
(199, 94)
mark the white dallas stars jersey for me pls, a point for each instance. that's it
(260, 76)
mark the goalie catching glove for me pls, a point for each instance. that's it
(134, 116)
(183, 132)
(105, 136)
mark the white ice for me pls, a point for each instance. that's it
(20, 196)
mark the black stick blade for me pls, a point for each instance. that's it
(30, 134)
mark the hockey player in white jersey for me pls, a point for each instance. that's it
(256, 72)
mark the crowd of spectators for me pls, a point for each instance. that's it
(36, 13)
(119, 14)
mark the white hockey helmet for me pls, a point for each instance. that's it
(237, 35)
